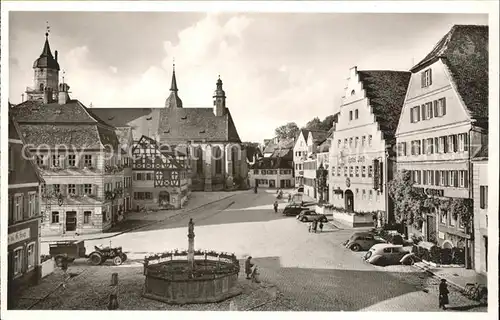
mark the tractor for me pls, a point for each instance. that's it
(101, 254)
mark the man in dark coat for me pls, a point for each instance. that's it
(443, 294)
(275, 205)
(248, 267)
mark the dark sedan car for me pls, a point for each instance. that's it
(311, 215)
(293, 209)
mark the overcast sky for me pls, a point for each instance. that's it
(276, 67)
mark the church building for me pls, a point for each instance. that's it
(208, 137)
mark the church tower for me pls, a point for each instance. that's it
(219, 100)
(173, 100)
(46, 75)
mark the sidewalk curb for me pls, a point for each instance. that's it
(435, 275)
(148, 224)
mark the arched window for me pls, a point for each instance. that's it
(353, 92)
(199, 160)
(217, 154)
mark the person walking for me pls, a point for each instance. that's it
(315, 226)
(443, 294)
(275, 206)
(248, 267)
(321, 226)
(289, 197)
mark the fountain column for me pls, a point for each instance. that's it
(190, 256)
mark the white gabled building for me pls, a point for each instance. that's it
(443, 127)
(361, 157)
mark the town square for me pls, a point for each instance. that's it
(197, 162)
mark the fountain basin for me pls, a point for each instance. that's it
(170, 278)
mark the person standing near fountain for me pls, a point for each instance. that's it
(248, 267)
(191, 244)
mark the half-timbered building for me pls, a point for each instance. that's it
(160, 177)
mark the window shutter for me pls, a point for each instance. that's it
(466, 179)
(423, 112)
(430, 76)
(404, 148)
(411, 116)
(417, 113)
(455, 180)
(437, 178)
(455, 143)
(466, 142)
(424, 147)
(443, 106)
(445, 141)
(422, 79)
(429, 110)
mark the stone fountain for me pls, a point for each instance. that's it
(192, 276)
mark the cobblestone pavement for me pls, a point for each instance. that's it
(311, 271)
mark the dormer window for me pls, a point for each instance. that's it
(353, 92)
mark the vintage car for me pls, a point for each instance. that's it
(384, 254)
(311, 215)
(293, 209)
(363, 241)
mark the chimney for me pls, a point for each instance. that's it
(63, 94)
(47, 95)
(55, 55)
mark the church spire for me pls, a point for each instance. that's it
(173, 100)
(173, 86)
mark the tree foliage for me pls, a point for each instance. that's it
(408, 202)
(287, 131)
(317, 124)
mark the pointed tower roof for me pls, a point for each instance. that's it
(173, 100)
(219, 92)
(46, 59)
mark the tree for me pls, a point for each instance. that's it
(287, 131)
(408, 201)
(317, 124)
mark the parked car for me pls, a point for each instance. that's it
(311, 215)
(384, 254)
(363, 241)
(293, 209)
(69, 249)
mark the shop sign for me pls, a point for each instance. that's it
(430, 192)
(356, 159)
(18, 236)
(441, 235)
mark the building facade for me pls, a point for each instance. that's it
(160, 178)
(300, 150)
(275, 168)
(208, 134)
(23, 248)
(443, 126)
(77, 154)
(361, 157)
(480, 189)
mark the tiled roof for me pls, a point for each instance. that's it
(283, 153)
(318, 135)
(272, 163)
(305, 133)
(78, 136)
(283, 144)
(196, 124)
(31, 168)
(386, 92)
(464, 50)
(73, 111)
(46, 59)
(123, 134)
(71, 124)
